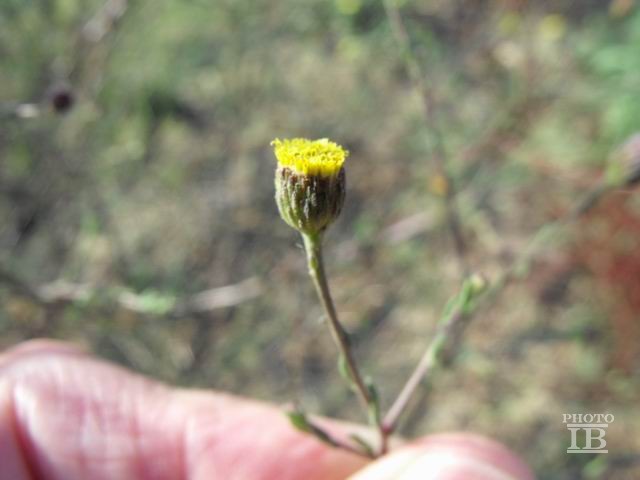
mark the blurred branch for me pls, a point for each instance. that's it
(86, 69)
(16, 110)
(221, 297)
(450, 328)
(440, 155)
(92, 33)
(504, 132)
(60, 293)
(104, 20)
(499, 135)
(21, 288)
(407, 228)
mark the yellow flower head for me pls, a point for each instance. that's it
(310, 157)
(310, 183)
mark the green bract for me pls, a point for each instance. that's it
(307, 202)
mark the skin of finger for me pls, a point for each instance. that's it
(71, 416)
(12, 463)
(65, 415)
(451, 456)
(38, 347)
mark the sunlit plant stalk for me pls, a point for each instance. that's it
(310, 191)
(313, 247)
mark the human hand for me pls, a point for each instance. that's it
(65, 415)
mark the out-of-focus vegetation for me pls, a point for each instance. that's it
(137, 213)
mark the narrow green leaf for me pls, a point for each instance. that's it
(299, 421)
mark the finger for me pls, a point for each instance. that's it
(32, 348)
(455, 456)
(65, 415)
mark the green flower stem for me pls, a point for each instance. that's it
(313, 247)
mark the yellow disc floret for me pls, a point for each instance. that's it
(310, 157)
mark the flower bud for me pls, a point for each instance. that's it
(310, 183)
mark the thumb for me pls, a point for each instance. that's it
(451, 456)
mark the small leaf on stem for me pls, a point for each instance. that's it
(374, 406)
(343, 368)
(299, 421)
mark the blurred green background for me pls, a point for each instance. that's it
(137, 213)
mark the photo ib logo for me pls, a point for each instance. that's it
(592, 427)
